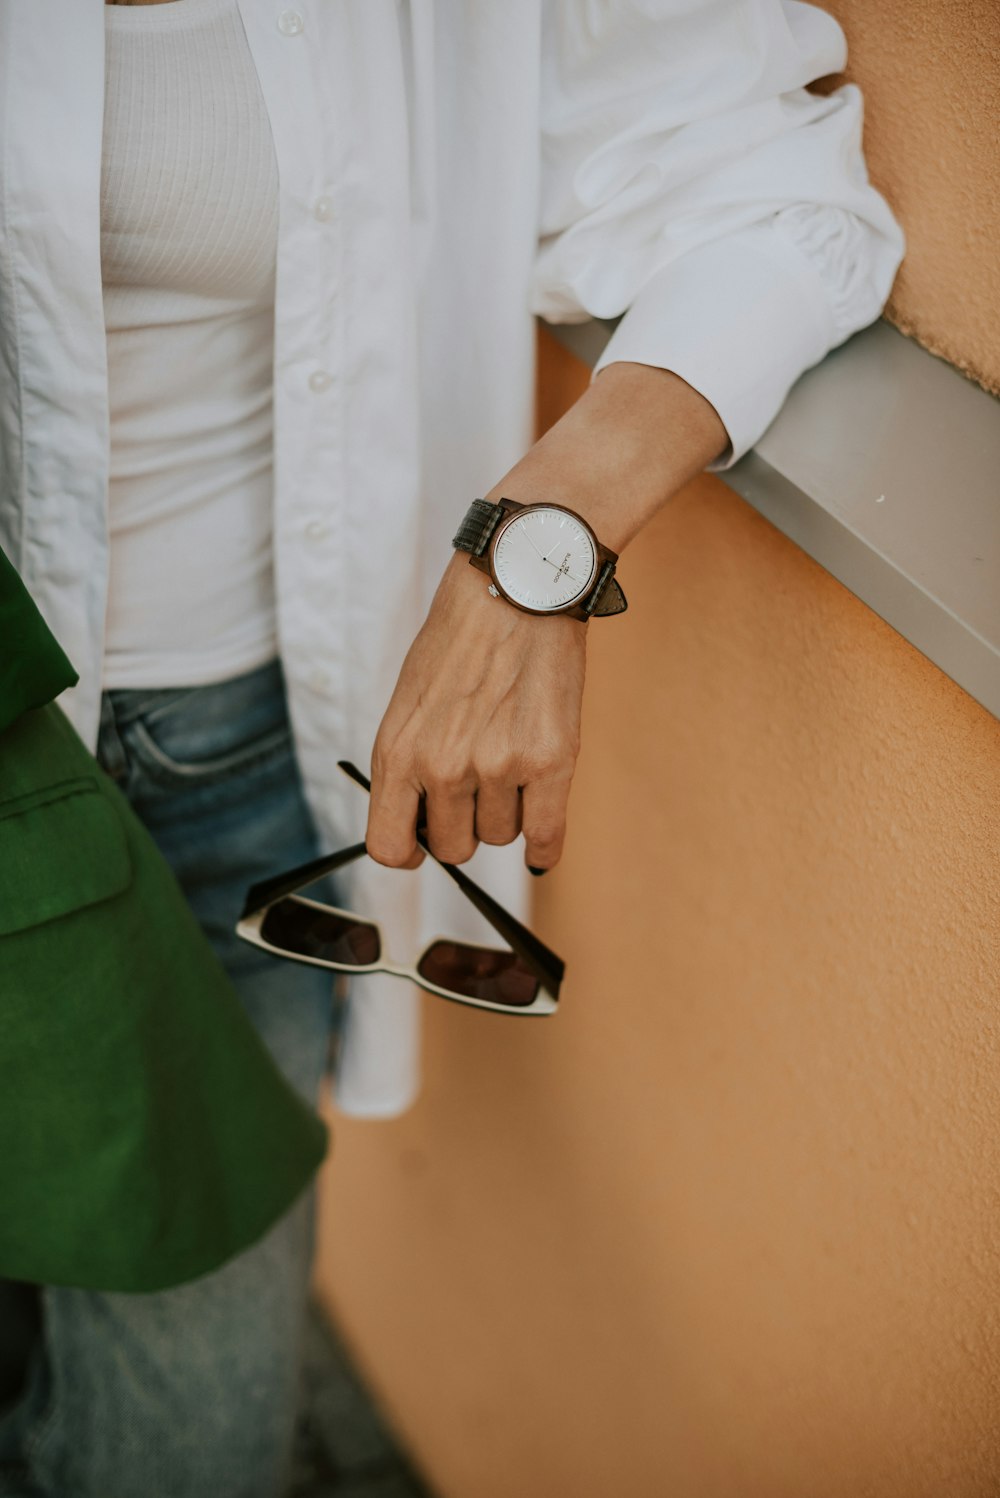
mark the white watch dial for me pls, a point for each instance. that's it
(544, 558)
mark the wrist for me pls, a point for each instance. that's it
(635, 437)
(463, 601)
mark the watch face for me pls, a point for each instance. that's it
(544, 558)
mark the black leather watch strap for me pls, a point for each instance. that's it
(606, 597)
(476, 531)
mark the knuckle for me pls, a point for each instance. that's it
(491, 779)
(551, 760)
(447, 773)
(495, 770)
(389, 760)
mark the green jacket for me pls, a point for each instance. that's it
(146, 1135)
(33, 669)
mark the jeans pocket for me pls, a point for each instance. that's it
(254, 754)
(210, 734)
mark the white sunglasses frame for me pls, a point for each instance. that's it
(547, 968)
(248, 927)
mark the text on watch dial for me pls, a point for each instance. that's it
(545, 559)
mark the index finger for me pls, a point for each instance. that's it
(392, 821)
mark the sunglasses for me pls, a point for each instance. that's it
(522, 980)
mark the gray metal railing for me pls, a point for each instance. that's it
(884, 466)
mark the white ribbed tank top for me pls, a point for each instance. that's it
(189, 220)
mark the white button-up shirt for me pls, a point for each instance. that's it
(446, 169)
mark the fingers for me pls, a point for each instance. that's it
(543, 820)
(487, 702)
(451, 815)
(460, 814)
(498, 811)
(392, 819)
(457, 813)
(463, 811)
(444, 805)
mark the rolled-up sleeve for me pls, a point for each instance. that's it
(691, 182)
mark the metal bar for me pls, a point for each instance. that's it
(884, 467)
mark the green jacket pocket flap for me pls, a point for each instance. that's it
(61, 849)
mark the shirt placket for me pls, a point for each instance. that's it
(312, 148)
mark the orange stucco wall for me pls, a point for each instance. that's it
(729, 1225)
(930, 70)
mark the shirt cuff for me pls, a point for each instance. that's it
(739, 319)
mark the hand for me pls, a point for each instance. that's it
(485, 724)
(485, 719)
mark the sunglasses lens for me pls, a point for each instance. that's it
(310, 931)
(479, 973)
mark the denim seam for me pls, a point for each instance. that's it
(244, 758)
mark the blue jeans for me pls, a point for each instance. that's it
(192, 1392)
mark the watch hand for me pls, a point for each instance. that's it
(558, 566)
(531, 543)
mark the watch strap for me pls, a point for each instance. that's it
(606, 597)
(476, 531)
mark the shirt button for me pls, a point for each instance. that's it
(319, 381)
(323, 209)
(316, 529)
(290, 23)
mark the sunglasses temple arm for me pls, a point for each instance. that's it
(540, 958)
(270, 890)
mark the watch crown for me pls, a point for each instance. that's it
(494, 593)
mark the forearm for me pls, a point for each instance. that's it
(629, 443)
(484, 722)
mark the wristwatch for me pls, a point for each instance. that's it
(543, 558)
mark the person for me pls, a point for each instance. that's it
(149, 1134)
(269, 274)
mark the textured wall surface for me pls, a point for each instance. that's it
(729, 1225)
(930, 70)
